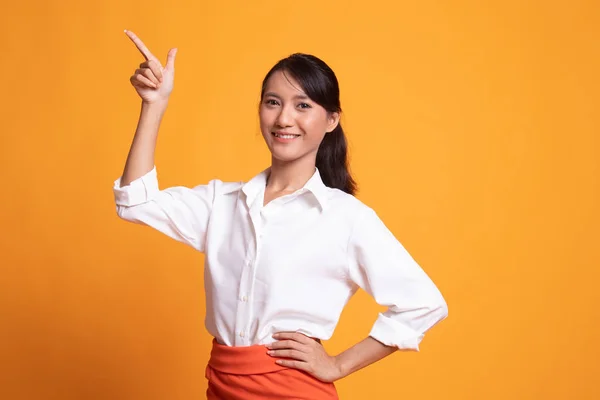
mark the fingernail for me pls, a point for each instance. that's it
(270, 352)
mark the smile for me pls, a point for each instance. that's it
(285, 135)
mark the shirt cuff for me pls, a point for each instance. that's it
(393, 333)
(139, 191)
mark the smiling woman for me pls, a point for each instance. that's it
(302, 90)
(286, 250)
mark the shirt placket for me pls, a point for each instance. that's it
(244, 309)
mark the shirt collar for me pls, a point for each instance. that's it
(315, 185)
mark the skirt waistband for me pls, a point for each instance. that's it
(247, 360)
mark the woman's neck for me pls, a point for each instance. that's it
(290, 176)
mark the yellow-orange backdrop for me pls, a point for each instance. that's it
(474, 134)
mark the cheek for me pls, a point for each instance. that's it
(313, 125)
(266, 118)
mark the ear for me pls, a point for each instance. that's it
(333, 119)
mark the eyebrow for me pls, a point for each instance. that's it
(298, 96)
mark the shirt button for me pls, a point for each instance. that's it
(242, 334)
(245, 298)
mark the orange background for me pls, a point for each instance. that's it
(474, 133)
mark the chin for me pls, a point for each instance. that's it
(285, 156)
(291, 156)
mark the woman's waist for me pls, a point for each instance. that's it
(243, 360)
(260, 332)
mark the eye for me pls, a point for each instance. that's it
(271, 102)
(304, 105)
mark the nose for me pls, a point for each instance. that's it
(285, 118)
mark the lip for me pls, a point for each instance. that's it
(282, 140)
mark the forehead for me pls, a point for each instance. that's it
(283, 84)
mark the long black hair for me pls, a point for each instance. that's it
(321, 85)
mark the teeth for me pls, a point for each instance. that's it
(285, 136)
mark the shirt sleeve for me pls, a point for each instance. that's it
(380, 265)
(181, 213)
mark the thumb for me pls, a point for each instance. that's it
(171, 58)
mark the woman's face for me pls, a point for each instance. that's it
(292, 125)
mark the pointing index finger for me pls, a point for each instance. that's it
(140, 45)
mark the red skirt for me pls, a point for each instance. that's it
(249, 373)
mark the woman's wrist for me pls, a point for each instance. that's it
(342, 368)
(155, 107)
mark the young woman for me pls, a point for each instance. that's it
(286, 250)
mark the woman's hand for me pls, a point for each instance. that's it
(306, 354)
(152, 81)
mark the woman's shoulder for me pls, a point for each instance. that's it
(223, 186)
(226, 187)
(339, 200)
(218, 187)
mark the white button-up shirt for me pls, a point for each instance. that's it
(291, 265)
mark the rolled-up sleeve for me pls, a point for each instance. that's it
(380, 265)
(179, 212)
